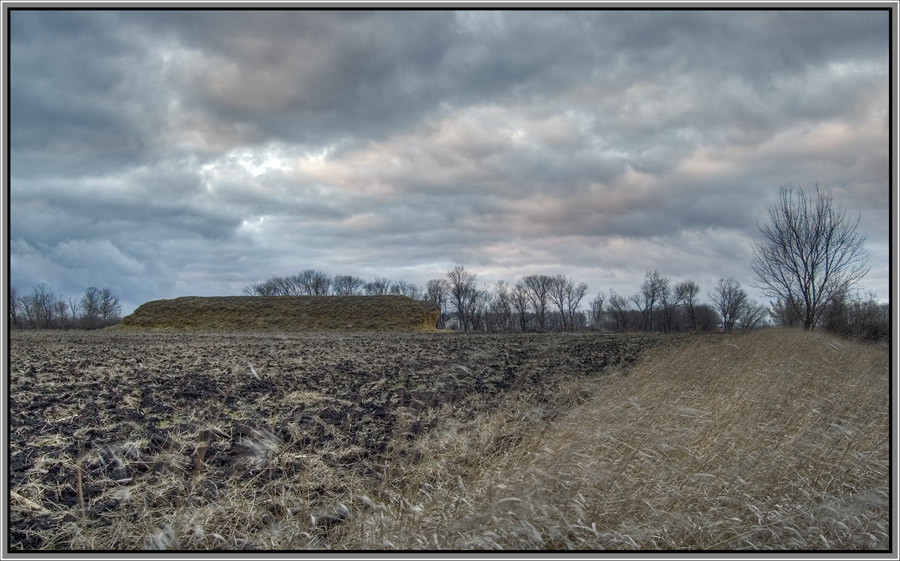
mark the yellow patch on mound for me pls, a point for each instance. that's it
(285, 313)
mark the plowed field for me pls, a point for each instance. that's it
(112, 431)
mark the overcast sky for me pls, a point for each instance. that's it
(175, 153)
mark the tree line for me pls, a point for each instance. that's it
(43, 309)
(543, 302)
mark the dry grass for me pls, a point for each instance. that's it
(774, 440)
(285, 314)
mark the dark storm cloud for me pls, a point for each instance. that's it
(199, 151)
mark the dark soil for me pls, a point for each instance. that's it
(91, 411)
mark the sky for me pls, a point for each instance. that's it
(192, 153)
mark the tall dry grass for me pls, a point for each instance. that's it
(773, 440)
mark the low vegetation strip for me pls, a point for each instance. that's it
(285, 314)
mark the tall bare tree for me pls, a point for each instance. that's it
(501, 307)
(539, 287)
(462, 291)
(560, 288)
(730, 300)
(686, 294)
(110, 309)
(90, 308)
(597, 311)
(436, 292)
(521, 303)
(618, 308)
(809, 253)
(652, 290)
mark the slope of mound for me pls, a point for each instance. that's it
(285, 313)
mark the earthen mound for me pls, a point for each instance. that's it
(285, 313)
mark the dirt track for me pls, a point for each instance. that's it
(130, 408)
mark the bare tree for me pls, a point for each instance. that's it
(110, 309)
(574, 296)
(729, 299)
(597, 311)
(667, 303)
(560, 287)
(13, 307)
(407, 289)
(476, 306)
(462, 290)
(686, 293)
(751, 315)
(520, 303)
(347, 285)
(501, 307)
(311, 282)
(90, 308)
(436, 292)
(539, 287)
(378, 287)
(651, 291)
(808, 254)
(618, 308)
(61, 315)
(274, 286)
(39, 307)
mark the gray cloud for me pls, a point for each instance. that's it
(194, 152)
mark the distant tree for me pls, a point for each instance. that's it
(686, 293)
(436, 292)
(707, 318)
(61, 315)
(567, 296)
(347, 285)
(409, 289)
(13, 307)
(560, 287)
(311, 282)
(597, 311)
(501, 307)
(90, 308)
(857, 315)
(274, 286)
(379, 286)
(667, 305)
(539, 287)
(786, 312)
(574, 296)
(729, 299)
(477, 304)
(652, 290)
(809, 253)
(751, 315)
(462, 292)
(520, 303)
(74, 303)
(618, 309)
(110, 309)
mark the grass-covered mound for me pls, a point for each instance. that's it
(285, 313)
